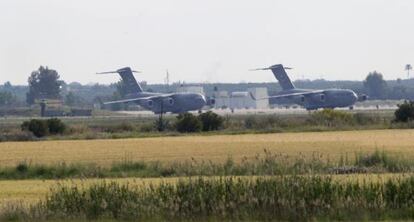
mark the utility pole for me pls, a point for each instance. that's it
(167, 80)
(161, 126)
(408, 68)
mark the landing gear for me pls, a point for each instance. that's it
(160, 123)
(351, 108)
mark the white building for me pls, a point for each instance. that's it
(191, 89)
(242, 100)
(259, 93)
(222, 99)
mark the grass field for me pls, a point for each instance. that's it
(31, 191)
(331, 145)
(217, 148)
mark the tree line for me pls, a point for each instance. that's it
(46, 83)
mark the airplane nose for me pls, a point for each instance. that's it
(201, 100)
(354, 97)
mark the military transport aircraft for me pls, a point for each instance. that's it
(157, 102)
(310, 99)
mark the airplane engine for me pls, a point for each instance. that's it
(169, 102)
(300, 99)
(319, 97)
(362, 97)
(150, 103)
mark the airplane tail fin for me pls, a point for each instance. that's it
(131, 84)
(280, 73)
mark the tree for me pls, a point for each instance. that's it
(44, 83)
(375, 85)
(8, 86)
(408, 68)
(211, 121)
(6, 98)
(41, 128)
(38, 127)
(187, 122)
(56, 126)
(405, 112)
(117, 106)
(71, 99)
(121, 88)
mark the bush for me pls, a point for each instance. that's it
(39, 128)
(119, 128)
(211, 121)
(56, 126)
(405, 112)
(187, 122)
(250, 122)
(330, 117)
(22, 167)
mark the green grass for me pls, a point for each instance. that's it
(290, 198)
(265, 164)
(132, 127)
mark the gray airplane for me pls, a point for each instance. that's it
(310, 99)
(156, 102)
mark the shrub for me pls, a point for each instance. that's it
(330, 117)
(119, 128)
(39, 128)
(22, 167)
(161, 124)
(405, 112)
(250, 122)
(211, 121)
(56, 126)
(367, 119)
(187, 122)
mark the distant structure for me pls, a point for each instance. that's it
(190, 89)
(408, 68)
(241, 100)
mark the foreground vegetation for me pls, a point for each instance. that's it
(267, 164)
(270, 198)
(128, 127)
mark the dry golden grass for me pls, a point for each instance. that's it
(215, 148)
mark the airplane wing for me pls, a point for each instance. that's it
(139, 99)
(288, 95)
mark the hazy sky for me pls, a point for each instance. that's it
(205, 41)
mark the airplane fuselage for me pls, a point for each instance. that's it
(329, 98)
(175, 103)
